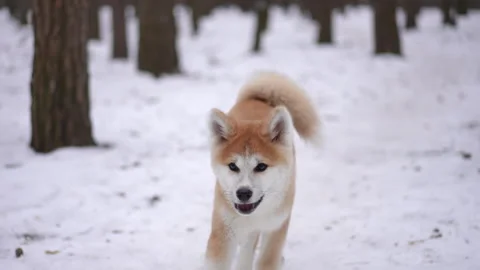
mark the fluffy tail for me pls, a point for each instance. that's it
(277, 90)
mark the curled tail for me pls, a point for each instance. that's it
(278, 90)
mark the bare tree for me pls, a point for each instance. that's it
(412, 9)
(462, 7)
(60, 106)
(93, 20)
(119, 41)
(324, 17)
(196, 14)
(341, 5)
(157, 52)
(261, 7)
(19, 9)
(387, 39)
(448, 11)
(200, 9)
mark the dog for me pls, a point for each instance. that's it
(253, 160)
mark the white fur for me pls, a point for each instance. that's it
(273, 184)
(246, 254)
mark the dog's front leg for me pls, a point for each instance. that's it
(270, 257)
(220, 247)
(247, 252)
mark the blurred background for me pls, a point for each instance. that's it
(104, 158)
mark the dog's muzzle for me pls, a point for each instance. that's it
(247, 208)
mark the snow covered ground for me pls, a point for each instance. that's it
(397, 185)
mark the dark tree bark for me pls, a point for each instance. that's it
(341, 6)
(136, 5)
(354, 3)
(200, 9)
(323, 15)
(93, 20)
(120, 49)
(247, 5)
(261, 8)
(387, 39)
(60, 106)
(157, 52)
(412, 9)
(284, 4)
(195, 10)
(462, 7)
(448, 11)
(19, 9)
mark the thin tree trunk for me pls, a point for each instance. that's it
(10, 4)
(136, 5)
(412, 9)
(341, 6)
(448, 10)
(157, 52)
(262, 8)
(285, 5)
(60, 106)
(93, 20)
(120, 49)
(195, 9)
(462, 7)
(19, 9)
(387, 39)
(247, 5)
(324, 17)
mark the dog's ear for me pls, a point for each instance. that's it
(280, 127)
(220, 125)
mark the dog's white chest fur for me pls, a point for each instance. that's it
(243, 226)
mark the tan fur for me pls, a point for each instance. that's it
(276, 89)
(248, 132)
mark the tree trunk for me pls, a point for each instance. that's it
(93, 20)
(448, 11)
(324, 16)
(285, 5)
(120, 49)
(157, 52)
(387, 38)
(199, 9)
(341, 5)
(19, 9)
(355, 3)
(136, 5)
(60, 106)
(262, 24)
(462, 7)
(412, 9)
(247, 5)
(195, 9)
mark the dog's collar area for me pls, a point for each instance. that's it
(247, 208)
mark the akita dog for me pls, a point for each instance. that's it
(253, 159)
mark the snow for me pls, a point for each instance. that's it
(390, 189)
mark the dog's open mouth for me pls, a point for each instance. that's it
(247, 208)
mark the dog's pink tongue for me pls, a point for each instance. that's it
(246, 207)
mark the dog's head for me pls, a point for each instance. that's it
(253, 160)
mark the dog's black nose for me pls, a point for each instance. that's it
(244, 194)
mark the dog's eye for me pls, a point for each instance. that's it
(233, 167)
(260, 167)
